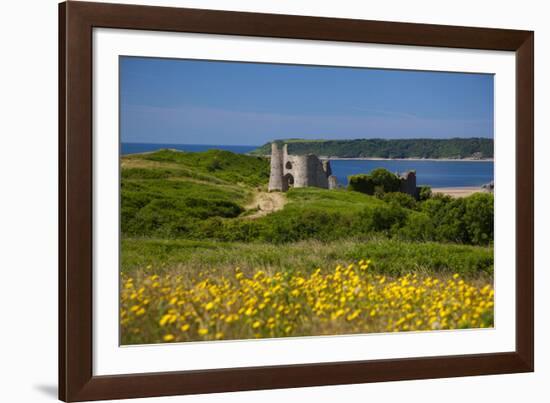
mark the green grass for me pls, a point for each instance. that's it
(170, 193)
(165, 173)
(309, 214)
(167, 207)
(337, 199)
(389, 257)
(225, 165)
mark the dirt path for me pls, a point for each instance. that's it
(267, 203)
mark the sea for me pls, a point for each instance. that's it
(436, 174)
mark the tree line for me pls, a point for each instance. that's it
(454, 148)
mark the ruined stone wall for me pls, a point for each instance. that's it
(332, 182)
(297, 166)
(327, 168)
(408, 184)
(316, 173)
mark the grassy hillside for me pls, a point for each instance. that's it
(197, 264)
(456, 148)
(205, 196)
(182, 207)
(165, 193)
(211, 165)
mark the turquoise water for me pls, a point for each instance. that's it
(431, 173)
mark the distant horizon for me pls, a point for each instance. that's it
(191, 144)
(182, 101)
(295, 138)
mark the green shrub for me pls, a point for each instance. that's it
(479, 218)
(214, 165)
(292, 226)
(378, 181)
(424, 193)
(387, 218)
(400, 199)
(361, 183)
(467, 220)
(418, 227)
(450, 224)
(390, 182)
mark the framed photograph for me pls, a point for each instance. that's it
(252, 201)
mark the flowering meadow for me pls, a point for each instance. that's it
(345, 299)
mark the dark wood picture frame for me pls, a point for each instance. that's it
(76, 22)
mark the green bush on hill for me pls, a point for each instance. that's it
(400, 199)
(424, 193)
(379, 181)
(386, 219)
(461, 221)
(466, 220)
(479, 218)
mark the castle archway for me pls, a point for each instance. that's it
(288, 180)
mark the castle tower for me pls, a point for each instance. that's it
(298, 171)
(276, 175)
(408, 183)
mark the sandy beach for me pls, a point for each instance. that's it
(458, 191)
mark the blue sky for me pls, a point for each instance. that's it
(227, 103)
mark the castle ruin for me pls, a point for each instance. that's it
(408, 184)
(298, 171)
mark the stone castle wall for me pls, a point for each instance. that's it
(408, 184)
(298, 170)
(317, 174)
(302, 171)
